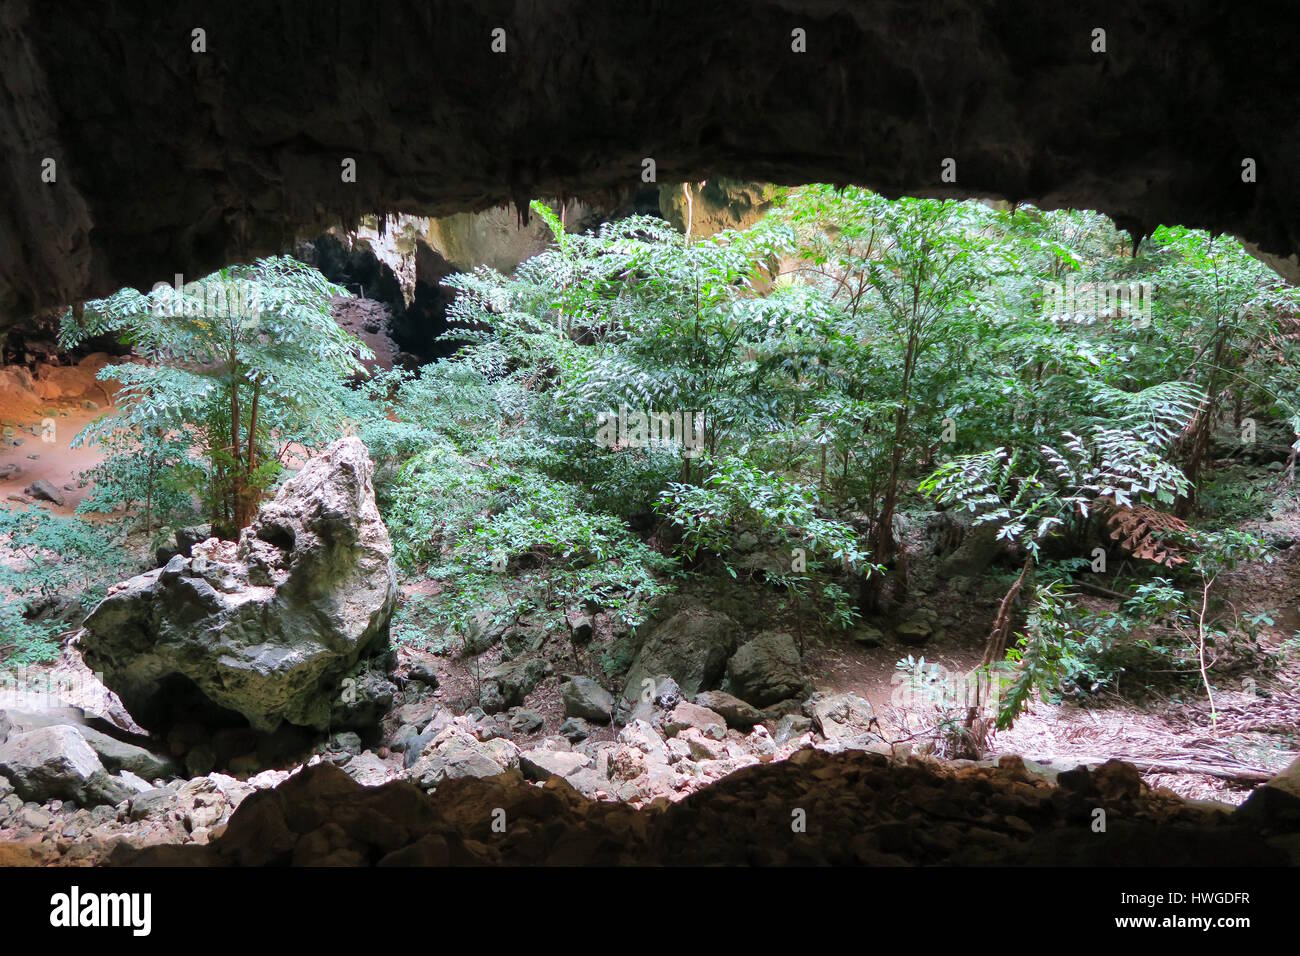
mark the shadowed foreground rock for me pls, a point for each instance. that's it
(859, 808)
(266, 628)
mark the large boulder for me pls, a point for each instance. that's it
(839, 715)
(43, 490)
(687, 715)
(978, 549)
(919, 627)
(484, 630)
(738, 714)
(766, 670)
(453, 754)
(364, 700)
(56, 763)
(585, 698)
(541, 764)
(509, 684)
(116, 755)
(691, 646)
(269, 627)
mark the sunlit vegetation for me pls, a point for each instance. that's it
(627, 405)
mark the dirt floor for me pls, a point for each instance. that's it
(45, 413)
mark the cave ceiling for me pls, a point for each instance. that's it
(166, 158)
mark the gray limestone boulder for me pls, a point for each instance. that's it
(766, 670)
(691, 646)
(50, 763)
(269, 627)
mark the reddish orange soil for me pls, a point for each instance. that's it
(53, 403)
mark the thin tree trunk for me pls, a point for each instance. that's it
(252, 430)
(883, 544)
(148, 496)
(236, 490)
(1200, 652)
(978, 727)
(996, 647)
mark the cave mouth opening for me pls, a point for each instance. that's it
(676, 490)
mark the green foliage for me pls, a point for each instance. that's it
(932, 697)
(1230, 497)
(496, 534)
(1067, 649)
(903, 290)
(1224, 550)
(26, 642)
(240, 365)
(49, 557)
(1117, 466)
(842, 354)
(1050, 650)
(416, 623)
(737, 495)
(152, 468)
(617, 659)
(629, 321)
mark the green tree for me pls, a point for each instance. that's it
(913, 280)
(239, 365)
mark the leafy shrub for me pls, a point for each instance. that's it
(52, 557)
(505, 535)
